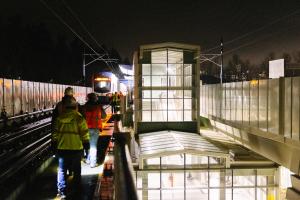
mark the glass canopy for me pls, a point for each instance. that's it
(174, 145)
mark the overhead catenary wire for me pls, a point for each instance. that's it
(89, 33)
(259, 39)
(73, 31)
(256, 30)
(67, 25)
(83, 26)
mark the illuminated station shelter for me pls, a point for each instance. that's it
(177, 159)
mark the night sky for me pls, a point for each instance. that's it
(124, 25)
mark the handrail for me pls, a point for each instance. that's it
(123, 173)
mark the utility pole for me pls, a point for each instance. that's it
(83, 66)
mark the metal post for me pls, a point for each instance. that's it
(221, 72)
(83, 66)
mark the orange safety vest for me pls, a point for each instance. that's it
(93, 116)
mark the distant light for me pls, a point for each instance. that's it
(102, 79)
(253, 82)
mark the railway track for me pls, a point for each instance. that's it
(22, 152)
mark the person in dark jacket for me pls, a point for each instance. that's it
(70, 136)
(92, 112)
(59, 108)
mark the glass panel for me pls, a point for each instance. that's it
(47, 96)
(223, 111)
(227, 87)
(175, 94)
(215, 162)
(217, 102)
(287, 107)
(175, 69)
(261, 193)
(187, 115)
(175, 104)
(273, 106)
(233, 102)
(243, 177)
(243, 193)
(42, 95)
(265, 177)
(30, 96)
(159, 56)
(175, 81)
(159, 69)
(239, 102)
(188, 104)
(187, 81)
(146, 104)
(152, 161)
(159, 93)
(146, 69)
(172, 194)
(172, 180)
(8, 96)
(199, 177)
(154, 180)
(254, 103)
(188, 94)
(174, 161)
(146, 94)
(17, 97)
(159, 81)
(261, 180)
(195, 161)
(214, 178)
(262, 117)
(36, 93)
(201, 194)
(228, 178)
(159, 104)
(146, 81)
(140, 194)
(296, 108)
(228, 194)
(146, 116)
(175, 56)
(246, 102)
(188, 69)
(153, 195)
(175, 115)
(159, 116)
(25, 101)
(214, 194)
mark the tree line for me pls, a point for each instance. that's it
(238, 69)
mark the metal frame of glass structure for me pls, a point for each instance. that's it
(166, 87)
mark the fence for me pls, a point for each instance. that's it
(19, 96)
(270, 105)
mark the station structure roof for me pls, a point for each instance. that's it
(167, 143)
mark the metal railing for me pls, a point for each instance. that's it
(123, 173)
(272, 106)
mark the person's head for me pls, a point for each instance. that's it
(92, 97)
(69, 91)
(69, 102)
